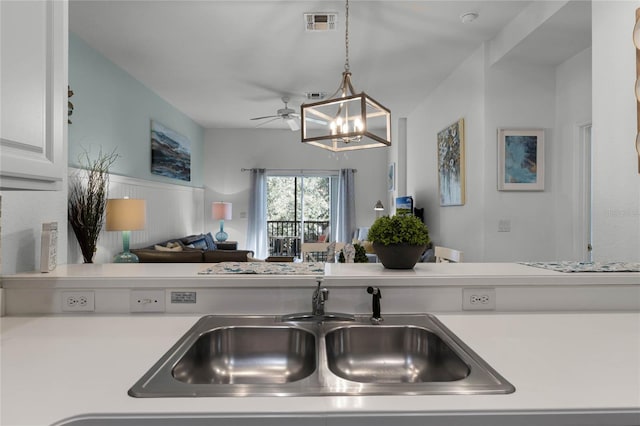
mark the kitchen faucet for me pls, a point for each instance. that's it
(320, 296)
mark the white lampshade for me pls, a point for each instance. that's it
(126, 214)
(221, 211)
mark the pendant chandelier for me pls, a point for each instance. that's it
(346, 121)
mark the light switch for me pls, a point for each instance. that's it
(504, 225)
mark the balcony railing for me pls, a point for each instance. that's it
(285, 238)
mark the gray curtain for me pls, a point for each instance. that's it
(257, 226)
(346, 206)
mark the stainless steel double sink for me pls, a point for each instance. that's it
(264, 356)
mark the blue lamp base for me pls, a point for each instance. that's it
(221, 235)
(126, 256)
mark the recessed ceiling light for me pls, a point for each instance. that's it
(468, 17)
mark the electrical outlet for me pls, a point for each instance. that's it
(78, 301)
(146, 301)
(478, 299)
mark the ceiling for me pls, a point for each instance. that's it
(223, 62)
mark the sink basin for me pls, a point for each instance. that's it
(248, 355)
(392, 354)
(265, 356)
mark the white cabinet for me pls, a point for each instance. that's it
(33, 93)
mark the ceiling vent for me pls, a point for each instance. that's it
(315, 96)
(321, 21)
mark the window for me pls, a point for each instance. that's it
(300, 208)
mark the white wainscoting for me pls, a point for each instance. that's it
(172, 211)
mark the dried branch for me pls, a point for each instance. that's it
(88, 200)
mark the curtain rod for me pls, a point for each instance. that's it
(294, 170)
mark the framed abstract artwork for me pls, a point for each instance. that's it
(451, 164)
(391, 177)
(520, 159)
(170, 153)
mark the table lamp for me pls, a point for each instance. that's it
(378, 208)
(126, 215)
(221, 211)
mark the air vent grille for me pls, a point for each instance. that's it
(315, 96)
(321, 21)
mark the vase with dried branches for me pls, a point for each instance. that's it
(88, 190)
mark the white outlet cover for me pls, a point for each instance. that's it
(478, 299)
(83, 301)
(147, 301)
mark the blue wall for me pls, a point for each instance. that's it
(113, 110)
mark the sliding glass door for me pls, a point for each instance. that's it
(300, 208)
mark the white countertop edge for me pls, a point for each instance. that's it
(627, 415)
(340, 275)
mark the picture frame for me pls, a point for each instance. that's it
(170, 153)
(520, 160)
(451, 164)
(391, 177)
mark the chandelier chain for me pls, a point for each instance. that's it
(346, 38)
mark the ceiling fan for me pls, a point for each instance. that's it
(286, 114)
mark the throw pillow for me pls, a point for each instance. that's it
(199, 244)
(211, 245)
(167, 248)
(191, 238)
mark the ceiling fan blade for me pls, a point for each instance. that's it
(266, 116)
(293, 124)
(315, 120)
(268, 121)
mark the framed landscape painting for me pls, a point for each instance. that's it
(451, 170)
(520, 160)
(170, 153)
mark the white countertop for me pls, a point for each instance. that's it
(173, 274)
(58, 367)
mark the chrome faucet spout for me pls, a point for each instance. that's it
(320, 296)
(318, 313)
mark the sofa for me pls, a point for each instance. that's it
(199, 248)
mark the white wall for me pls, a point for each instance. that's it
(459, 96)
(23, 213)
(507, 94)
(229, 150)
(616, 181)
(520, 96)
(573, 110)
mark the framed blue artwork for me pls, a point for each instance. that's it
(520, 160)
(170, 153)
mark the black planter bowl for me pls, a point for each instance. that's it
(398, 256)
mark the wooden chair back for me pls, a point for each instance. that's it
(447, 255)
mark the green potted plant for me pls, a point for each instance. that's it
(399, 240)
